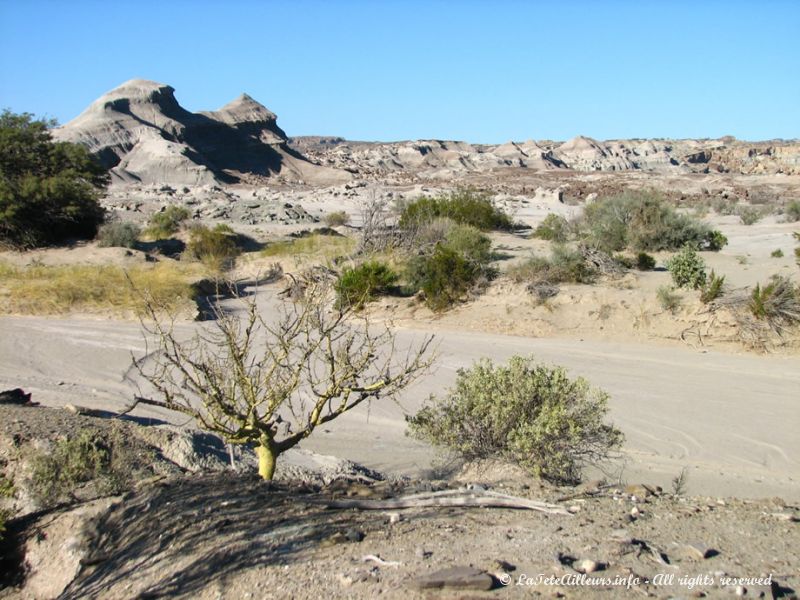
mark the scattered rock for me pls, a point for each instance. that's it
(354, 535)
(588, 566)
(698, 551)
(455, 578)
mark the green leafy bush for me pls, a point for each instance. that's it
(643, 221)
(687, 268)
(118, 235)
(167, 222)
(337, 218)
(713, 288)
(554, 228)
(216, 248)
(361, 284)
(645, 262)
(49, 190)
(668, 299)
(565, 265)
(466, 206)
(528, 414)
(778, 253)
(444, 277)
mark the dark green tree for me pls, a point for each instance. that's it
(49, 190)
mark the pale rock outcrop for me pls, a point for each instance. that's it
(143, 135)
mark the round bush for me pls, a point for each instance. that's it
(361, 284)
(529, 414)
(688, 270)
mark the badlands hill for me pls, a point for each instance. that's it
(141, 132)
(437, 158)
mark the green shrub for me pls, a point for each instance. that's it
(645, 262)
(792, 211)
(565, 265)
(643, 221)
(118, 235)
(624, 261)
(466, 206)
(56, 475)
(687, 268)
(553, 228)
(777, 253)
(668, 299)
(49, 190)
(215, 248)
(337, 218)
(528, 414)
(444, 277)
(361, 284)
(713, 288)
(470, 243)
(749, 215)
(777, 303)
(715, 241)
(167, 222)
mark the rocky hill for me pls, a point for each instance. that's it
(143, 135)
(435, 158)
(141, 132)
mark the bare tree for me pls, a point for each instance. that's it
(272, 383)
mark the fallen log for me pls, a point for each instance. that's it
(450, 498)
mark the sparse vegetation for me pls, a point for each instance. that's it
(118, 234)
(679, 482)
(713, 288)
(792, 211)
(61, 289)
(49, 190)
(668, 299)
(554, 228)
(565, 265)
(324, 247)
(58, 473)
(749, 215)
(643, 221)
(776, 303)
(466, 206)
(216, 248)
(687, 268)
(777, 253)
(166, 223)
(362, 284)
(525, 413)
(337, 218)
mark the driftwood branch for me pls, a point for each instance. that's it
(467, 499)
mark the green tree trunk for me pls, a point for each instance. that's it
(267, 458)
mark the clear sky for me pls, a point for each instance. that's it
(482, 71)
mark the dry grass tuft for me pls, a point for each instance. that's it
(61, 289)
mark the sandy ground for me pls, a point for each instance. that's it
(730, 420)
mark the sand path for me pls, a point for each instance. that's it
(731, 420)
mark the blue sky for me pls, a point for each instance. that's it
(486, 71)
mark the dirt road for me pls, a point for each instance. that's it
(731, 420)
